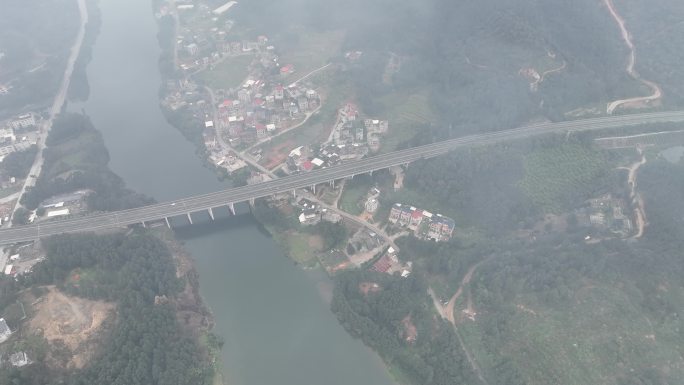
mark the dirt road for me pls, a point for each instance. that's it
(447, 312)
(449, 309)
(631, 62)
(635, 197)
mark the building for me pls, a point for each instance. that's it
(395, 213)
(5, 331)
(416, 219)
(372, 205)
(309, 216)
(423, 223)
(58, 213)
(192, 49)
(7, 135)
(23, 121)
(19, 359)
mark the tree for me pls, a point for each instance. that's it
(21, 216)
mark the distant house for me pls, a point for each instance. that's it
(5, 331)
(372, 205)
(416, 219)
(23, 121)
(303, 103)
(287, 69)
(309, 217)
(406, 214)
(395, 213)
(279, 93)
(260, 130)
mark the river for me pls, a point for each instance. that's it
(273, 316)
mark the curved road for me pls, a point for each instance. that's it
(291, 183)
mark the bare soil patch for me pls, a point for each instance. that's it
(71, 322)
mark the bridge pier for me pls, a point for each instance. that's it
(211, 214)
(251, 202)
(143, 224)
(168, 224)
(294, 193)
(231, 207)
(190, 218)
(332, 183)
(313, 188)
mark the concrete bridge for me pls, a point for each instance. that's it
(229, 197)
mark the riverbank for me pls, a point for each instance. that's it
(191, 311)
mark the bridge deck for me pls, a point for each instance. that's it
(246, 193)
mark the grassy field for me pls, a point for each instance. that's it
(230, 73)
(404, 113)
(312, 50)
(300, 246)
(354, 195)
(554, 176)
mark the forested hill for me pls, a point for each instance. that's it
(471, 56)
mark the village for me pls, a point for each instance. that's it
(272, 99)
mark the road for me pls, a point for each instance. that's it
(57, 104)
(657, 93)
(291, 183)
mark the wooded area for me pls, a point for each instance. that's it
(147, 345)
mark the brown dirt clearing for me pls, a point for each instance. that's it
(71, 320)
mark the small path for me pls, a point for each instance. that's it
(268, 139)
(627, 37)
(635, 197)
(449, 309)
(311, 73)
(442, 312)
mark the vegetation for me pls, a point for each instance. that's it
(384, 319)
(18, 164)
(561, 177)
(146, 345)
(35, 38)
(228, 74)
(76, 158)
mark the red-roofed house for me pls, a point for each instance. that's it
(260, 130)
(416, 219)
(307, 165)
(287, 69)
(383, 264)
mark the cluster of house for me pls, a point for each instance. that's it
(260, 109)
(204, 44)
(18, 134)
(311, 213)
(361, 135)
(17, 359)
(423, 223)
(606, 213)
(351, 138)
